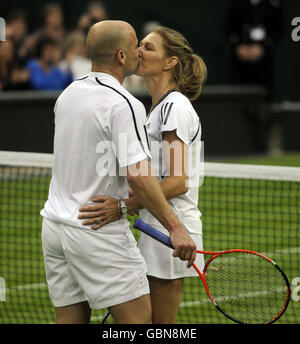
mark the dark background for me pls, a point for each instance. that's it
(201, 21)
(233, 119)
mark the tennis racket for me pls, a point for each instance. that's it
(245, 286)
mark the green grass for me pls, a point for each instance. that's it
(262, 216)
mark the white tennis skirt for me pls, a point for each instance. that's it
(159, 259)
(87, 265)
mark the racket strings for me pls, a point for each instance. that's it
(247, 287)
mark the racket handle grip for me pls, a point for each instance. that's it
(154, 233)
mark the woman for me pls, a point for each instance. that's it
(174, 76)
(75, 59)
(12, 76)
(44, 73)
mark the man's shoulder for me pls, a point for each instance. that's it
(101, 93)
(125, 98)
(122, 91)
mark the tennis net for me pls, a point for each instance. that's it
(243, 206)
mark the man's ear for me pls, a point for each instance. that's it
(171, 63)
(121, 57)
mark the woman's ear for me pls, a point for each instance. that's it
(171, 63)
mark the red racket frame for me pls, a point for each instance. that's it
(215, 254)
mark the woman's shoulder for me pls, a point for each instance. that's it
(179, 102)
(176, 96)
(178, 99)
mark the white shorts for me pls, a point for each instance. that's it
(87, 265)
(161, 263)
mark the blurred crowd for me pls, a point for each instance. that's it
(49, 57)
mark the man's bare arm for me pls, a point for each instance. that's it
(147, 189)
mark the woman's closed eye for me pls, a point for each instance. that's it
(147, 46)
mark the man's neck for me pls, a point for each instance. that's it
(111, 71)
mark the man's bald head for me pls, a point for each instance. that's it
(106, 38)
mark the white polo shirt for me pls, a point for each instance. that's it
(175, 112)
(99, 130)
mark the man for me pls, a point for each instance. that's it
(253, 28)
(95, 115)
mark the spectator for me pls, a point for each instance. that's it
(96, 12)
(54, 23)
(16, 29)
(75, 60)
(11, 76)
(44, 73)
(253, 28)
(53, 27)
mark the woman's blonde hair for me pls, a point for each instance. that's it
(190, 72)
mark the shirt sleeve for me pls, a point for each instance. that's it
(128, 133)
(177, 116)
